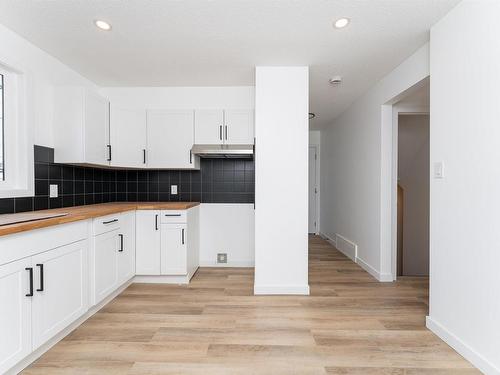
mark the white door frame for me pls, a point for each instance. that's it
(396, 111)
(389, 180)
(318, 184)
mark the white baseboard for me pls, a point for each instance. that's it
(462, 348)
(66, 331)
(328, 239)
(242, 264)
(281, 289)
(382, 277)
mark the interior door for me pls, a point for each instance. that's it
(105, 265)
(126, 252)
(15, 313)
(170, 139)
(96, 129)
(239, 125)
(128, 137)
(61, 294)
(313, 190)
(209, 127)
(173, 249)
(148, 242)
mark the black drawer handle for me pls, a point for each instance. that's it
(110, 221)
(156, 222)
(121, 243)
(41, 278)
(30, 271)
(172, 215)
(183, 236)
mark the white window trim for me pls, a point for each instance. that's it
(18, 132)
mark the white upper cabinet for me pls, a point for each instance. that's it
(81, 126)
(209, 127)
(217, 127)
(128, 137)
(238, 127)
(170, 137)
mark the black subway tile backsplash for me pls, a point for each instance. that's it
(217, 181)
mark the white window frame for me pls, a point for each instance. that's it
(18, 134)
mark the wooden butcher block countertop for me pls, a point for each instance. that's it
(85, 212)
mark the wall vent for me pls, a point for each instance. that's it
(222, 258)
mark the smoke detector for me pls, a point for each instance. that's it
(336, 80)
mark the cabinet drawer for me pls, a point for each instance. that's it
(172, 216)
(106, 224)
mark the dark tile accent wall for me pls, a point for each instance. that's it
(217, 181)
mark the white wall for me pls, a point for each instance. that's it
(237, 97)
(465, 224)
(281, 176)
(356, 175)
(413, 176)
(45, 72)
(227, 228)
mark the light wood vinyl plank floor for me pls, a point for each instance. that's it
(350, 324)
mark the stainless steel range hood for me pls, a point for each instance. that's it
(223, 151)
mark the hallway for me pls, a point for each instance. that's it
(351, 324)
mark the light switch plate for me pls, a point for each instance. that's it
(438, 169)
(173, 189)
(53, 191)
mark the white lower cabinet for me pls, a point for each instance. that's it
(167, 242)
(105, 265)
(148, 242)
(126, 252)
(173, 249)
(61, 290)
(15, 313)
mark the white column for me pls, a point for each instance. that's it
(281, 180)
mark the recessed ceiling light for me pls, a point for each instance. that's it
(341, 23)
(103, 25)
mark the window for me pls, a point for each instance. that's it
(16, 135)
(2, 163)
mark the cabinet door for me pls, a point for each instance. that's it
(173, 249)
(147, 242)
(239, 125)
(126, 252)
(15, 313)
(96, 129)
(208, 127)
(170, 139)
(128, 137)
(105, 265)
(61, 290)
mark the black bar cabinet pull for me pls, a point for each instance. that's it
(41, 277)
(109, 152)
(156, 222)
(172, 214)
(144, 156)
(225, 130)
(121, 243)
(220, 132)
(190, 157)
(110, 221)
(183, 236)
(30, 270)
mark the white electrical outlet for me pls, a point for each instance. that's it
(53, 191)
(173, 189)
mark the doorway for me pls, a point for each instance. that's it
(413, 195)
(313, 189)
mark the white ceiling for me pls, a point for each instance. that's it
(219, 42)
